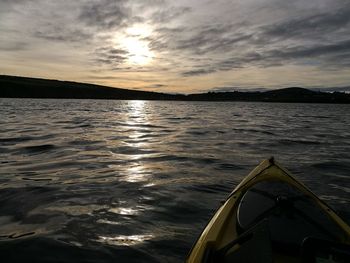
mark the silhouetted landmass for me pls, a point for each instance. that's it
(294, 94)
(21, 87)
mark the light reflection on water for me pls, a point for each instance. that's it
(124, 211)
(104, 221)
(125, 240)
(136, 174)
(149, 174)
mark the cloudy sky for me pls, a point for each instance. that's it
(179, 46)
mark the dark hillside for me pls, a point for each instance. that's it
(21, 87)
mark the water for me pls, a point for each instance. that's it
(136, 181)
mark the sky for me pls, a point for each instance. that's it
(183, 46)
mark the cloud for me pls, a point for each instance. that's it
(104, 14)
(12, 47)
(197, 72)
(311, 26)
(212, 38)
(316, 51)
(322, 55)
(82, 21)
(110, 56)
(62, 34)
(168, 14)
(157, 86)
(320, 40)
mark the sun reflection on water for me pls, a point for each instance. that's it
(106, 221)
(136, 174)
(136, 107)
(124, 211)
(138, 120)
(123, 240)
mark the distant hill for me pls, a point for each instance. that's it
(22, 87)
(291, 95)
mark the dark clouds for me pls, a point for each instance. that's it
(110, 56)
(326, 55)
(316, 51)
(104, 14)
(322, 38)
(85, 21)
(197, 72)
(312, 26)
(212, 38)
(165, 15)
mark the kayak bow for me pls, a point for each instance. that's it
(272, 217)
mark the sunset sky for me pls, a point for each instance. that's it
(180, 46)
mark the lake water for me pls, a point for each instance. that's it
(136, 181)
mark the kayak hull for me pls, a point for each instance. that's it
(261, 205)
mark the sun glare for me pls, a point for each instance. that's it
(137, 47)
(139, 52)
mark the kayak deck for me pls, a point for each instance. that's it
(270, 217)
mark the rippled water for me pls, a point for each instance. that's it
(136, 181)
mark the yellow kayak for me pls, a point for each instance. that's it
(271, 217)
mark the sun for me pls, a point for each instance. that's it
(138, 50)
(136, 45)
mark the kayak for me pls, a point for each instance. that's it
(272, 217)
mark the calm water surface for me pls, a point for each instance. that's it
(136, 181)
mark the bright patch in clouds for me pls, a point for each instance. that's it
(137, 47)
